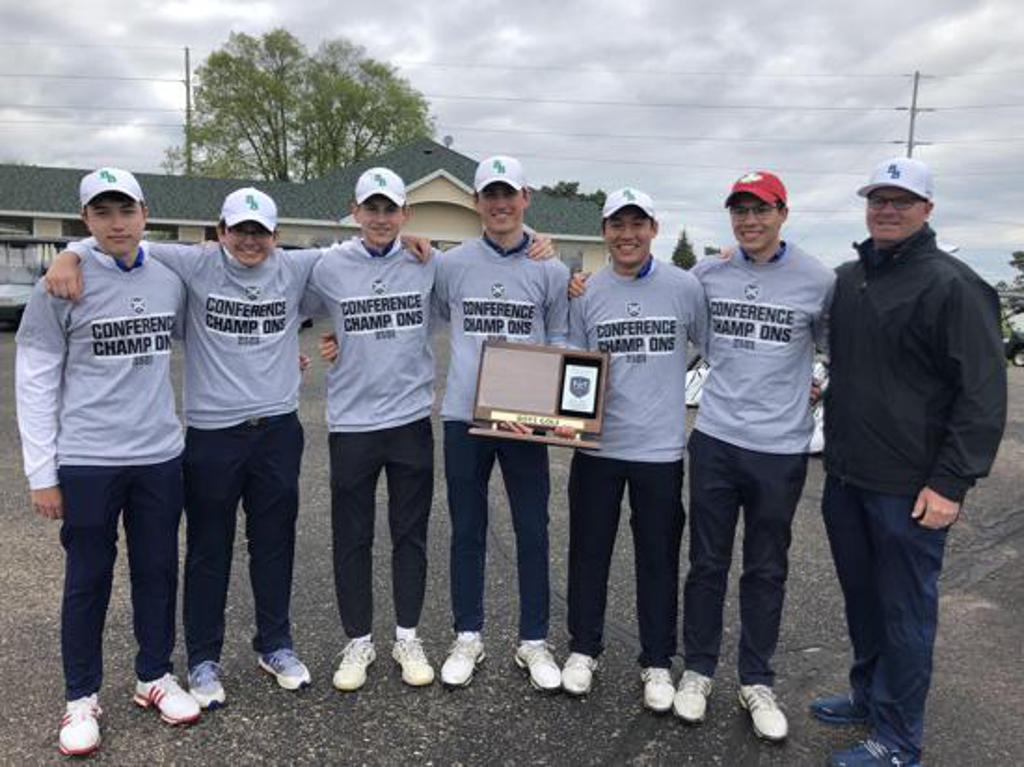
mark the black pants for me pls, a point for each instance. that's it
(596, 486)
(148, 500)
(406, 453)
(258, 463)
(723, 479)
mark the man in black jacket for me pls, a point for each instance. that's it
(914, 414)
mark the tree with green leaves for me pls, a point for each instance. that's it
(1017, 262)
(571, 189)
(266, 108)
(683, 255)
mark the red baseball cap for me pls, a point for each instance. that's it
(762, 184)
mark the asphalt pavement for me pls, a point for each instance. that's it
(974, 713)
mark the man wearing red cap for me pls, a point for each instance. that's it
(748, 451)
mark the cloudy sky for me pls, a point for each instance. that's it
(677, 98)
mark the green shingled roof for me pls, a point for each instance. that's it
(41, 190)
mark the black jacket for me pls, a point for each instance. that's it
(917, 382)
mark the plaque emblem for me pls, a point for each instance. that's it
(579, 386)
(633, 308)
(752, 291)
(497, 290)
(138, 305)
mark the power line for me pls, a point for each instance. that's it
(88, 122)
(675, 139)
(663, 105)
(109, 78)
(91, 108)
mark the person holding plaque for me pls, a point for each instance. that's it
(490, 289)
(643, 314)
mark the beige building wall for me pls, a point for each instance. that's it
(47, 227)
(441, 189)
(443, 221)
(191, 233)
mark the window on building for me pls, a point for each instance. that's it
(73, 227)
(161, 232)
(17, 225)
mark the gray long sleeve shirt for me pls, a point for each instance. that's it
(645, 325)
(765, 321)
(116, 404)
(501, 297)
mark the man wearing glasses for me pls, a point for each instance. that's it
(914, 414)
(748, 450)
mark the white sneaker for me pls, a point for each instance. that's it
(463, 658)
(357, 656)
(691, 700)
(416, 669)
(80, 727)
(174, 704)
(767, 717)
(286, 668)
(658, 689)
(538, 660)
(578, 673)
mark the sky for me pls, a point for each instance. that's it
(677, 98)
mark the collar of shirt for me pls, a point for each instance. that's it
(646, 269)
(514, 251)
(383, 252)
(779, 254)
(112, 262)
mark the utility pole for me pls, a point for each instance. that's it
(188, 112)
(914, 110)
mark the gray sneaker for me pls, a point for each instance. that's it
(204, 684)
(286, 668)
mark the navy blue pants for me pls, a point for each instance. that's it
(888, 567)
(468, 461)
(256, 462)
(725, 478)
(149, 500)
(596, 486)
(406, 454)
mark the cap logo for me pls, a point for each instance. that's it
(498, 166)
(628, 194)
(751, 178)
(250, 201)
(107, 176)
(893, 171)
(381, 181)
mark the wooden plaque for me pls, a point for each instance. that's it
(541, 387)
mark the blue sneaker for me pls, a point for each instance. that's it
(286, 667)
(871, 753)
(839, 709)
(204, 685)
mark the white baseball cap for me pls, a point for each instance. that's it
(623, 198)
(902, 172)
(109, 180)
(499, 168)
(380, 181)
(249, 204)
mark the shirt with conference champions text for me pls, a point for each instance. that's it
(645, 325)
(765, 320)
(116, 400)
(381, 308)
(486, 295)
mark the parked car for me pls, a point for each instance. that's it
(23, 261)
(1014, 346)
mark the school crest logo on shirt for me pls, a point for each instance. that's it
(379, 287)
(633, 308)
(497, 290)
(579, 386)
(752, 291)
(253, 292)
(138, 305)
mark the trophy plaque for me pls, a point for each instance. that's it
(542, 388)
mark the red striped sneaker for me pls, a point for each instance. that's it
(174, 704)
(80, 727)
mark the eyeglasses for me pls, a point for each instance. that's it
(254, 232)
(898, 203)
(760, 212)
